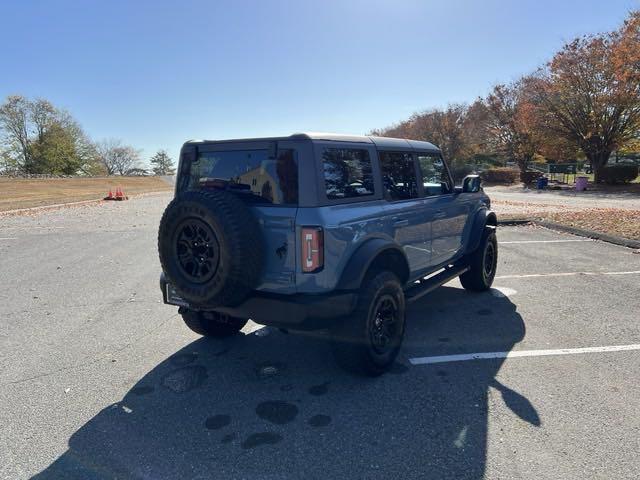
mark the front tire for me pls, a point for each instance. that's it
(483, 263)
(212, 324)
(368, 342)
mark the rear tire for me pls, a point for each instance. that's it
(212, 324)
(483, 262)
(368, 342)
(210, 247)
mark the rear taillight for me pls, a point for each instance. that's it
(312, 249)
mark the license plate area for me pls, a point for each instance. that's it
(174, 298)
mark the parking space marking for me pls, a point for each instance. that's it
(9, 238)
(547, 241)
(567, 274)
(520, 353)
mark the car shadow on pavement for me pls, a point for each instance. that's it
(272, 405)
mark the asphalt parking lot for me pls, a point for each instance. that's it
(99, 379)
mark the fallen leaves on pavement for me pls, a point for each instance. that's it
(612, 221)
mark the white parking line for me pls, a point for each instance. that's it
(9, 238)
(547, 241)
(567, 274)
(520, 353)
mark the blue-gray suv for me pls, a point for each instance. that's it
(320, 231)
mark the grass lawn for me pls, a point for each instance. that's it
(24, 193)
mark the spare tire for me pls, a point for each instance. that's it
(210, 247)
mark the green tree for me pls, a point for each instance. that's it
(162, 164)
(54, 152)
(37, 137)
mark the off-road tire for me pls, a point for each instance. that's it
(234, 248)
(352, 338)
(212, 324)
(483, 263)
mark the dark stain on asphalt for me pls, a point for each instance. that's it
(142, 390)
(277, 411)
(398, 368)
(444, 339)
(183, 359)
(216, 422)
(262, 438)
(228, 438)
(319, 390)
(319, 420)
(484, 311)
(286, 388)
(270, 369)
(185, 379)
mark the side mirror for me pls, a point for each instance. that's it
(471, 184)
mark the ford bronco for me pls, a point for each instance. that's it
(320, 231)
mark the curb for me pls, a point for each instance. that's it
(625, 242)
(525, 221)
(581, 232)
(43, 208)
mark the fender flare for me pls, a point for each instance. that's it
(483, 217)
(356, 268)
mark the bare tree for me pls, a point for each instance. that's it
(14, 120)
(116, 157)
(43, 115)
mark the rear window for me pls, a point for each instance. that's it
(263, 179)
(347, 173)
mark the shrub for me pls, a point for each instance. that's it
(459, 171)
(618, 174)
(529, 177)
(502, 175)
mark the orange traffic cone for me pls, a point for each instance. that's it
(109, 195)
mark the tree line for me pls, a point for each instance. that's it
(583, 104)
(36, 137)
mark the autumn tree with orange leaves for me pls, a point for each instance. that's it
(585, 100)
(512, 125)
(589, 93)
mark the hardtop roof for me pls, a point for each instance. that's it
(380, 142)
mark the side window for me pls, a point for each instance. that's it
(398, 175)
(435, 177)
(347, 173)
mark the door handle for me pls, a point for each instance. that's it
(401, 223)
(439, 214)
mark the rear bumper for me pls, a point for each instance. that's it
(298, 311)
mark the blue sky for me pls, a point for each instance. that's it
(156, 73)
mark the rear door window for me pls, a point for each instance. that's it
(347, 173)
(435, 177)
(398, 175)
(252, 172)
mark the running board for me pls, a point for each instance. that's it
(429, 284)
